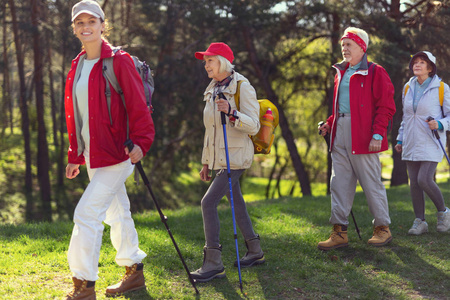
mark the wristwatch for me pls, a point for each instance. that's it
(235, 115)
(377, 137)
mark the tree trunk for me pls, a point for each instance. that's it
(335, 50)
(54, 108)
(286, 132)
(399, 175)
(25, 121)
(43, 157)
(62, 114)
(6, 113)
(272, 172)
(279, 176)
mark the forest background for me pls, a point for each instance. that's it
(285, 48)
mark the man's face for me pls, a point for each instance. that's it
(351, 51)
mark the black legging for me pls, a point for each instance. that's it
(421, 175)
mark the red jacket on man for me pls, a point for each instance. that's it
(106, 139)
(371, 107)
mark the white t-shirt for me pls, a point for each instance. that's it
(81, 92)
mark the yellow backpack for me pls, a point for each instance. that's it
(441, 92)
(263, 140)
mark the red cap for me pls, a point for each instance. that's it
(221, 49)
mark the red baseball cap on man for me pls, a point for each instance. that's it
(221, 49)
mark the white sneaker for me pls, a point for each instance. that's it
(443, 220)
(418, 227)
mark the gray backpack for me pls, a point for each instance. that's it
(147, 81)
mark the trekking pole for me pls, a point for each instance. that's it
(436, 134)
(224, 123)
(129, 144)
(326, 137)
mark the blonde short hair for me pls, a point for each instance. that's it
(359, 32)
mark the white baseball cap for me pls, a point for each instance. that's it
(87, 7)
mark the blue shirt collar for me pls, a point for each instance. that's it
(425, 83)
(355, 67)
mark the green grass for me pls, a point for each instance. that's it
(33, 263)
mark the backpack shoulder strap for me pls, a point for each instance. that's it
(441, 92)
(406, 90)
(111, 78)
(372, 64)
(441, 96)
(237, 96)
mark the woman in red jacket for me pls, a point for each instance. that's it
(98, 141)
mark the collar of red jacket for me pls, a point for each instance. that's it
(343, 65)
(107, 51)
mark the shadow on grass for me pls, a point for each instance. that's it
(224, 287)
(137, 295)
(359, 264)
(290, 229)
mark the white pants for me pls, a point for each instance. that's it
(347, 169)
(105, 199)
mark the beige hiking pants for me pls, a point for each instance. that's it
(347, 168)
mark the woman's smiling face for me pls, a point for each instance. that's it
(88, 28)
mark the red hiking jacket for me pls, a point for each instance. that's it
(106, 140)
(371, 107)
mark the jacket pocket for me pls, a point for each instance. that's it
(236, 149)
(205, 152)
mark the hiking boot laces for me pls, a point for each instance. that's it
(336, 234)
(129, 272)
(77, 289)
(379, 230)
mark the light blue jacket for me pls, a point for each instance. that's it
(418, 141)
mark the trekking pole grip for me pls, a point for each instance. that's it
(320, 125)
(222, 114)
(436, 134)
(129, 144)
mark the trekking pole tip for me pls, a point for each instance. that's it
(242, 290)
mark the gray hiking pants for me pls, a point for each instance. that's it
(219, 188)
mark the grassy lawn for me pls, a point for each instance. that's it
(33, 262)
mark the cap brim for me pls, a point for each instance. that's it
(86, 12)
(200, 55)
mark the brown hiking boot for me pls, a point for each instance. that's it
(338, 238)
(381, 236)
(82, 290)
(133, 280)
